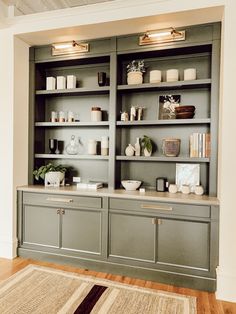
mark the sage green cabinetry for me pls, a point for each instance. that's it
(66, 223)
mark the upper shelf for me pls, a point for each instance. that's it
(164, 122)
(166, 85)
(71, 124)
(75, 91)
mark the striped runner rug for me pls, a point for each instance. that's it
(43, 290)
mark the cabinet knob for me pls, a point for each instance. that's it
(58, 211)
(63, 211)
(156, 221)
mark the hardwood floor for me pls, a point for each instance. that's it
(206, 302)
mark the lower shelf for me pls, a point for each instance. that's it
(64, 156)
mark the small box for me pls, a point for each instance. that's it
(76, 179)
(161, 184)
(50, 83)
(61, 82)
(71, 81)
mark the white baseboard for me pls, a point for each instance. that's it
(8, 249)
(226, 286)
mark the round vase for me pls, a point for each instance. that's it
(134, 77)
(199, 190)
(129, 151)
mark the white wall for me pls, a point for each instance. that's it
(125, 9)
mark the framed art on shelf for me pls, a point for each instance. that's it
(167, 105)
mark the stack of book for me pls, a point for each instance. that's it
(200, 145)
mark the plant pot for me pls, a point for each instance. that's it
(54, 178)
(134, 77)
(147, 153)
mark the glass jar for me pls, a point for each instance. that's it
(73, 147)
(96, 114)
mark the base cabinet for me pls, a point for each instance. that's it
(165, 242)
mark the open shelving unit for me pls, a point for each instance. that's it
(200, 50)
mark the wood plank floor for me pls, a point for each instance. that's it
(206, 302)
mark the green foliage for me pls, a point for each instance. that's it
(40, 173)
(136, 66)
(147, 143)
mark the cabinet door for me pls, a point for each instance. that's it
(82, 230)
(184, 243)
(41, 226)
(131, 237)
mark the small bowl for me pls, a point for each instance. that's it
(131, 185)
(184, 115)
(181, 109)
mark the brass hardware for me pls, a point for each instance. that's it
(58, 211)
(159, 221)
(154, 221)
(159, 207)
(60, 200)
(63, 211)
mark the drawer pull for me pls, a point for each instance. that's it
(60, 200)
(148, 206)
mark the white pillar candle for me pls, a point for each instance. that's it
(71, 81)
(50, 83)
(172, 75)
(155, 76)
(190, 74)
(61, 82)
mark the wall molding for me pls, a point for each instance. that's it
(8, 249)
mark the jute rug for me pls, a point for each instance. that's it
(43, 290)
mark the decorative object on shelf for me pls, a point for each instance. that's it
(184, 112)
(92, 147)
(137, 147)
(131, 185)
(167, 106)
(52, 143)
(72, 148)
(132, 113)
(54, 116)
(140, 113)
(147, 146)
(173, 188)
(104, 146)
(61, 82)
(171, 147)
(185, 189)
(50, 83)
(135, 71)
(130, 150)
(190, 74)
(62, 116)
(70, 81)
(199, 190)
(69, 47)
(172, 75)
(60, 147)
(200, 145)
(124, 116)
(71, 116)
(53, 175)
(161, 36)
(161, 184)
(155, 76)
(187, 174)
(96, 114)
(102, 78)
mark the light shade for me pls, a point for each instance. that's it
(69, 47)
(161, 36)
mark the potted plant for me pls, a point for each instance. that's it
(53, 175)
(147, 146)
(135, 70)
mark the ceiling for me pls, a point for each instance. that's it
(25, 7)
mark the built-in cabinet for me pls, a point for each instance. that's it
(160, 237)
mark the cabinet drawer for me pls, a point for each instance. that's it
(62, 200)
(161, 207)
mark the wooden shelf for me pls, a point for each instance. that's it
(75, 91)
(71, 124)
(166, 85)
(64, 156)
(164, 122)
(162, 158)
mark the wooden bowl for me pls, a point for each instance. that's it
(181, 109)
(184, 115)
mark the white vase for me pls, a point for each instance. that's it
(54, 178)
(129, 151)
(134, 77)
(147, 153)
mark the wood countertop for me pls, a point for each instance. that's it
(148, 195)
